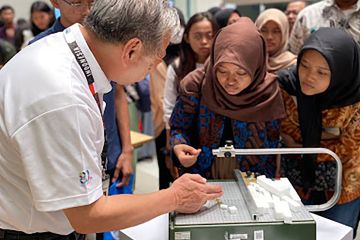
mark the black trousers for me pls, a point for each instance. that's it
(165, 177)
(17, 235)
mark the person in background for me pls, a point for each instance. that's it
(51, 130)
(326, 113)
(173, 50)
(41, 18)
(226, 17)
(231, 98)
(145, 123)
(7, 31)
(342, 14)
(157, 86)
(292, 10)
(195, 49)
(71, 13)
(274, 27)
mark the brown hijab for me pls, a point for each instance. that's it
(281, 58)
(240, 44)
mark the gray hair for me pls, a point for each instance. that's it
(118, 21)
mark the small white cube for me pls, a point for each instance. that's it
(223, 206)
(232, 209)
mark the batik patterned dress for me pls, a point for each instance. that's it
(192, 123)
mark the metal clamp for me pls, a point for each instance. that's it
(230, 151)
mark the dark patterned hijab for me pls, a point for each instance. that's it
(240, 44)
(342, 55)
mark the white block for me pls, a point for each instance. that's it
(232, 209)
(282, 211)
(277, 187)
(260, 202)
(292, 193)
(275, 198)
(223, 206)
(287, 212)
(294, 205)
(278, 213)
(266, 195)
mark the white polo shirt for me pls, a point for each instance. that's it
(51, 135)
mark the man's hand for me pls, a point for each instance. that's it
(186, 154)
(123, 165)
(191, 192)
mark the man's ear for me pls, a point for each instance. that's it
(133, 50)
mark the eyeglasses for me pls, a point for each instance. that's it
(80, 4)
(200, 36)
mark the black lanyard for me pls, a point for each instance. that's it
(85, 67)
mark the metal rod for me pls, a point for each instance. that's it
(249, 201)
(229, 150)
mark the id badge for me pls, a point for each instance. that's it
(106, 184)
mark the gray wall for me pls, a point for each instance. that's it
(190, 7)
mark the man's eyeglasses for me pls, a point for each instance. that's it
(80, 4)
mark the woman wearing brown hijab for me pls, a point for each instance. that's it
(231, 98)
(274, 27)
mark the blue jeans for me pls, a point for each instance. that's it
(347, 214)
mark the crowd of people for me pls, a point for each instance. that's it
(289, 78)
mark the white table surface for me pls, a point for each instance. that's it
(329, 230)
(158, 229)
(155, 229)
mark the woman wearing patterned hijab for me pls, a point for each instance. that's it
(274, 27)
(231, 98)
(326, 85)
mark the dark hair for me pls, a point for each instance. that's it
(187, 56)
(21, 26)
(213, 10)
(40, 6)
(6, 7)
(181, 17)
(222, 16)
(7, 51)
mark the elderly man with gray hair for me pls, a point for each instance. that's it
(51, 128)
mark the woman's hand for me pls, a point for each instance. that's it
(186, 154)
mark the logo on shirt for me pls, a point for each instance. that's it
(85, 177)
